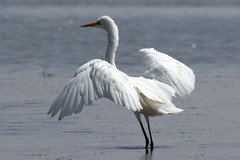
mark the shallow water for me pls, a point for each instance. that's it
(39, 36)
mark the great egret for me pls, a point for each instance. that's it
(149, 95)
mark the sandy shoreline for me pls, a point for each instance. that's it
(207, 129)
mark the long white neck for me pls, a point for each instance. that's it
(112, 33)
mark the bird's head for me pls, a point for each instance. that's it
(104, 22)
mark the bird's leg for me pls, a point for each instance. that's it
(149, 129)
(143, 130)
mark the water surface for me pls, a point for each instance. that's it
(45, 36)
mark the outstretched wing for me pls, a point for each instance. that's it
(168, 70)
(94, 80)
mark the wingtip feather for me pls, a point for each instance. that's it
(145, 50)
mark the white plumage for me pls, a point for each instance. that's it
(94, 80)
(149, 94)
(168, 70)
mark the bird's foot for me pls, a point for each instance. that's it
(146, 147)
(152, 146)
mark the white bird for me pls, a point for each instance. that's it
(149, 95)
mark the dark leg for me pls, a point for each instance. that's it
(143, 130)
(149, 129)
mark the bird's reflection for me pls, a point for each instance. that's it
(148, 151)
(147, 156)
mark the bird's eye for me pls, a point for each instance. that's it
(98, 23)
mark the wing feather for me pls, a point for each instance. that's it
(155, 100)
(94, 80)
(168, 70)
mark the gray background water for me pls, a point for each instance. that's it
(45, 35)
